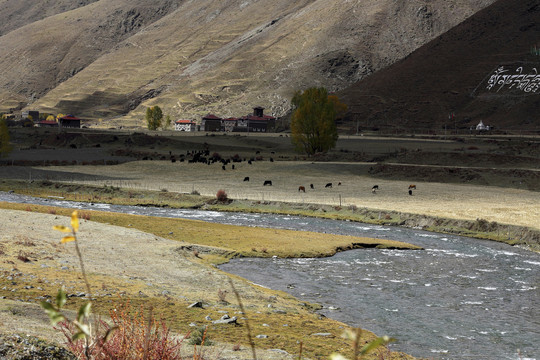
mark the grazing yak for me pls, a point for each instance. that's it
(246, 178)
(267, 182)
(329, 185)
(374, 189)
(301, 188)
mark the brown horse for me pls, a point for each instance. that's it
(412, 187)
(301, 188)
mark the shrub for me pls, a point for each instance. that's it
(199, 337)
(222, 196)
(131, 336)
(84, 216)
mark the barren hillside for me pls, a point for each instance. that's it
(111, 59)
(481, 70)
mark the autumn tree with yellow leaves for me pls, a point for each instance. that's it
(313, 123)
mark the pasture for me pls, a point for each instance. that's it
(494, 178)
(445, 200)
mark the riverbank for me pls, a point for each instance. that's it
(480, 227)
(168, 274)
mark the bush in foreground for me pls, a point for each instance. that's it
(222, 196)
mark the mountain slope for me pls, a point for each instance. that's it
(18, 13)
(451, 74)
(192, 58)
(42, 54)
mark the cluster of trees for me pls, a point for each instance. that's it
(154, 118)
(313, 123)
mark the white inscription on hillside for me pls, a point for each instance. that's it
(504, 79)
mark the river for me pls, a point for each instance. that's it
(460, 298)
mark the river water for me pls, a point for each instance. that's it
(460, 298)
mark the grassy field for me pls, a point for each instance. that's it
(489, 179)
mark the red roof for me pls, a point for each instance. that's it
(230, 119)
(69, 117)
(184, 122)
(211, 117)
(253, 117)
(47, 122)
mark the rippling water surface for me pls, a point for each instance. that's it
(460, 298)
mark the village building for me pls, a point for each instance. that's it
(69, 121)
(31, 114)
(211, 123)
(185, 125)
(229, 124)
(47, 123)
(257, 122)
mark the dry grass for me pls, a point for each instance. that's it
(230, 239)
(456, 201)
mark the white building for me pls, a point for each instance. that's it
(185, 125)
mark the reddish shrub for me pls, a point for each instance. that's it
(136, 336)
(221, 195)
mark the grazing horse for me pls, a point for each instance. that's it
(311, 186)
(267, 182)
(301, 188)
(329, 185)
(246, 178)
(412, 187)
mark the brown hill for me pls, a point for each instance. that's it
(111, 59)
(482, 69)
(16, 13)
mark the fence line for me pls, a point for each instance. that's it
(334, 199)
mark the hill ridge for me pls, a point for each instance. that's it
(263, 51)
